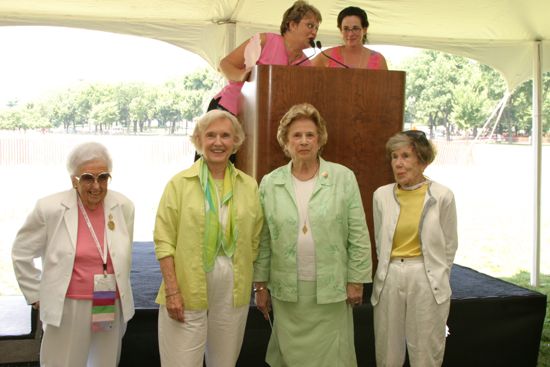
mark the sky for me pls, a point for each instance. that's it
(37, 61)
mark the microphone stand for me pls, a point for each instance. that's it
(318, 44)
(312, 44)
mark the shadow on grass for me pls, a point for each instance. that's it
(522, 279)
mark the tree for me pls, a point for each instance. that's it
(450, 91)
(141, 108)
(100, 107)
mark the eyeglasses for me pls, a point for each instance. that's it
(310, 26)
(89, 178)
(354, 29)
(418, 135)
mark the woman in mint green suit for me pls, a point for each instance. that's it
(314, 250)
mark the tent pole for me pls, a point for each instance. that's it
(231, 34)
(536, 139)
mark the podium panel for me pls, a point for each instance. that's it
(362, 108)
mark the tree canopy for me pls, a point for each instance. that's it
(128, 107)
(443, 92)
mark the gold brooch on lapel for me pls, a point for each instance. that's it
(110, 223)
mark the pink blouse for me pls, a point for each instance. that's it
(87, 261)
(273, 53)
(374, 63)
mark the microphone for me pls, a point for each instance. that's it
(312, 44)
(318, 44)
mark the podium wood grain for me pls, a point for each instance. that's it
(362, 108)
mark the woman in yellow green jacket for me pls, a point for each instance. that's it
(314, 250)
(206, 239)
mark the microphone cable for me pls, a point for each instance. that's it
(318, 44)
(312, 44)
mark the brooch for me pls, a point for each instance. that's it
(110, 223)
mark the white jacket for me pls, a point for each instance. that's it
(50, 233)
(438, 236)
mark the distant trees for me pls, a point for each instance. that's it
(131, 107)
(443, 91)
(459, 94)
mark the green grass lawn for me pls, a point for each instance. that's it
(522, 279)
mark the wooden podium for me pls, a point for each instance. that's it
(362, 108)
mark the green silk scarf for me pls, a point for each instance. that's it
(217, 210)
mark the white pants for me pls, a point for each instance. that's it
(216, 333)
(407, 316)
(73, 344)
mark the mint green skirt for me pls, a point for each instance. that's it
(306, 334)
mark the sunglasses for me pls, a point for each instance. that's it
(89, 179)
(418, 135)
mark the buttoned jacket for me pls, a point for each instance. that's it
(50, 233)
(339, 230)
(437, 231)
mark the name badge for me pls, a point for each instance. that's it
(103, 302)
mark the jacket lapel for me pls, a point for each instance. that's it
(324, 177)
(113, 220)
(284, 179)
(71, 215)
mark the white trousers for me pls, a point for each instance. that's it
(73, 344)
(407, 317)
(215, 334)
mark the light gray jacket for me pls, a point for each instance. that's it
(50, 233)
(438, 236)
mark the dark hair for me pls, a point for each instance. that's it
(296, 12)
(354, 11)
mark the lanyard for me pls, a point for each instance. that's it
(102, 253)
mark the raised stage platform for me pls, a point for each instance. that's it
(492, 322)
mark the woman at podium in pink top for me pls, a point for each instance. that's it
(353, 24)
(298, 30)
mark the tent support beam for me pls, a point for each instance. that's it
(536, 139)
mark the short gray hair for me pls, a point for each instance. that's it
(87, 152)
(423, 147)
(215, 115)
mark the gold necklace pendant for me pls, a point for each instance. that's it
(304, 228)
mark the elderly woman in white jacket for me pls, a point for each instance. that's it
(84, 239)
(416, 241)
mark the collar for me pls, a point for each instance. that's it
(194, 170)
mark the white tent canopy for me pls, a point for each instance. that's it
(499, 33)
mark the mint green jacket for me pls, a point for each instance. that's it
(179, 232)
(339, 229)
